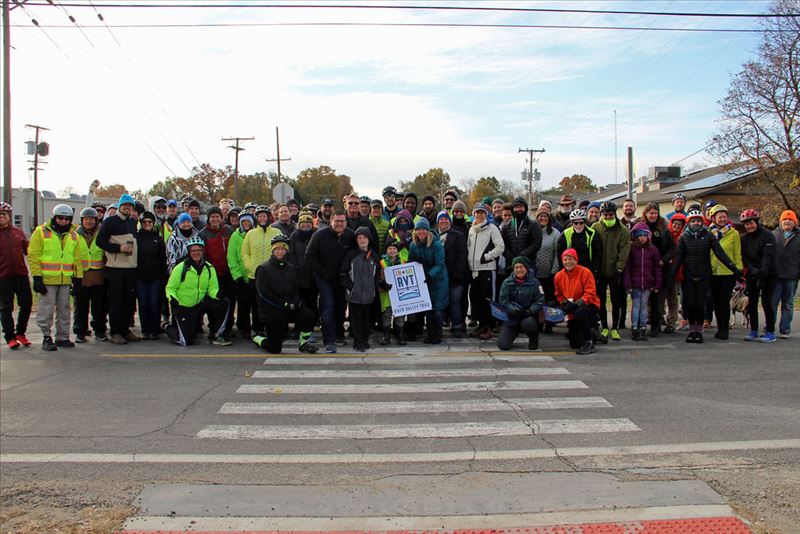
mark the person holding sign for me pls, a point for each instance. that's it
(522, 297)
(427, 250)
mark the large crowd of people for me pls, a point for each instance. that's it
(268, 273)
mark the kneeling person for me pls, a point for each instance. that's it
(576, 293)
(522, 297)
(279, 303)
(193, 290)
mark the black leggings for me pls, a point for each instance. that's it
(618, 301)
(694, 299)
(721, 290)
(763, 290)
(276, 323)
(185, 320)
(579, 328)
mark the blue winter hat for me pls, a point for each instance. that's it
(126, 199)
(593, 205)
(172, 202)
(443, 214)
(247, 216)
(422, 223)
(184, 217)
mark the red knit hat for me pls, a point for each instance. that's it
(569, 252)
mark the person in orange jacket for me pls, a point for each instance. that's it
(576, 293)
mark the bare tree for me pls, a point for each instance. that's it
(759, 114)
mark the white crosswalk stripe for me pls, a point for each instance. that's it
(458, 406)
(412, 373)
(457, 389)
(439, 430)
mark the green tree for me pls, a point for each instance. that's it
(433, 182)
(315, 183)
(254, 188)
(577, 183)
(759, 115)
(168, 188)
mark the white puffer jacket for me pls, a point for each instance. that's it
(484, 246)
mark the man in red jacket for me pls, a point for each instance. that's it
(13, 280)
(216, 236)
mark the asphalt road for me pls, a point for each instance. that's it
(150, 414)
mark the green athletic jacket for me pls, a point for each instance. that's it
(235, 263)
(189, 287)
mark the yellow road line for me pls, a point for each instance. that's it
(354, 355)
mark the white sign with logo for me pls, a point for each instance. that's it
(409, 293)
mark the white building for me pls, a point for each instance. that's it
(22, 203)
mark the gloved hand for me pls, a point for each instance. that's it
(38, 285)
(738, 273)
(288, 306)
(384, 285)
(579, 302)
(173, 303)
(514, 313)
(568, 306)
(76, 284)
(526, 313)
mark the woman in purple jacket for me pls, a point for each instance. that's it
(642, 275)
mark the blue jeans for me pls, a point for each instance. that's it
(332, 305)
(148, 292)
(640, 299)
(454, 309)
(785, 291)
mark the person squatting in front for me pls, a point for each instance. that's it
(576, 293)
(193, 290)
(523, 299)
(278, 292)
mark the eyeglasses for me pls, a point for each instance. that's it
(161, 207)
(147, 221)
(577, 223)
(60, 218)
(353, 203)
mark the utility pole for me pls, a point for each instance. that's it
(6, 102)
(278, 159)
(236, 149)
(630, 172)
(616, 163)
(531, 177)
(37, 152)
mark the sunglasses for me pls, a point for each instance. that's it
(147, 221)
(353, 203)
(60, 218)
(576, 223)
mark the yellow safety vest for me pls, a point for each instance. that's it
(92, 256)
(55, 258)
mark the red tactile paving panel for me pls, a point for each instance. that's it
(710, 525)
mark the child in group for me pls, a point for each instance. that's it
(360, 276)
(390, 259)
(695, 246)
(642, 276)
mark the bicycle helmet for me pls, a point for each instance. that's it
(716, 209)
(694, 214)
(577, 215)
(608, 207)
(364, 199)
(263, 209)
(196, 240)
(389, 190)
(63, 210)
(89, 212)
(749, 215)
(96, 205)
(280, 239)
(677, 196)
(250, 205)
(710, 204)
(5, 206)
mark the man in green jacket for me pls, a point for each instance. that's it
(616, 242)
(193, 291)
(245, 301)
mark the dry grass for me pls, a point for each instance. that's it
(51, 520)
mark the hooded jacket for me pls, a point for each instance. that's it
(731, 242)
(360, 272)
(152, 258)
(521, 295)
(277, 283)
(189, 286)
(787, 254)
(758, 253)
(522, 235)
(357, 222)
(484, 246)
(234, 258)
(693, 253)
(430, 253)
(577, 284)
(217, 247)
(14, 245)
(642, 270)
(616, 241)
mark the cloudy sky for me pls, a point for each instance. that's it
(379, 103)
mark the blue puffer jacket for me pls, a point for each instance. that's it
(430, 254)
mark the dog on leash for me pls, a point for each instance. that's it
(739, 302)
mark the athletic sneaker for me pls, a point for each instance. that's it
(752, 336)
(684, 324)
(23, 340)
(221, 341)
(604, 333)
(588, 348)
(13, 344)
(615, 335)
(784, 335)
(767, 337)
(330, 348)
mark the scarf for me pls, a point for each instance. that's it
(720, 231)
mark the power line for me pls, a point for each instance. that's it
(421, 25)
(413, 7)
